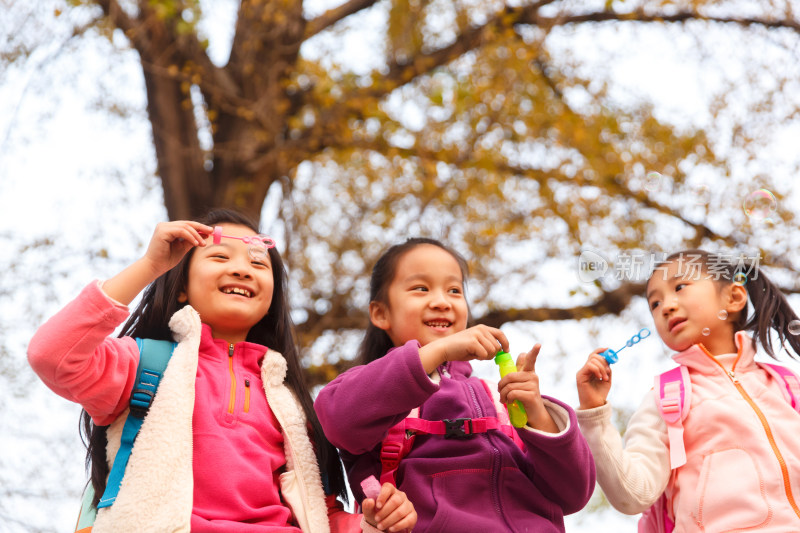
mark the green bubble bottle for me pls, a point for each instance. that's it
(516, 412)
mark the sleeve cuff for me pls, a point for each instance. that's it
(560, 416)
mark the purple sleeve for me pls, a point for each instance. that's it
(563, 463)
(358, 407)
(74, 357)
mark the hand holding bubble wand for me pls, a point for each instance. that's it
(611, 355)
(516, 412)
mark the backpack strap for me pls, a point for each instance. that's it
(400, 438)
(153, 358)
(790, 381)
(395, 446)
(88, 513)
(674, 391)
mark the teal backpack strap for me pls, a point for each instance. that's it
(153, 358)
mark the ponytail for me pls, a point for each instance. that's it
(770, 311)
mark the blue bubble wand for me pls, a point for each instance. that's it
(611, 355)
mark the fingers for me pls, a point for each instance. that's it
(597, 366)
(527, 361)
(186, 230)
(395, 511)
(489, 341)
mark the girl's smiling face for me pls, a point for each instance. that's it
(228, 288)
(425, 298)
(687, 306)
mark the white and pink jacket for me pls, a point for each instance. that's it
(742, 449)
(225, 444)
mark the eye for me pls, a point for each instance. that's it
(420, 288)
(219, 256)
(654, 304)
(260, 264)
(679, 286)
(455, 290)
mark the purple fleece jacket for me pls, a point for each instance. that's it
(483, 484)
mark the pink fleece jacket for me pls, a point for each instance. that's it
(238, 445)
(743, 454)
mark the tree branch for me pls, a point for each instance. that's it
(332, 16)
(530, 17)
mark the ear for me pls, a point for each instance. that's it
(737, 298)
(379, 315)
(183, 297)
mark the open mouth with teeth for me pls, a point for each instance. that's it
(439, 324)
(237, 290)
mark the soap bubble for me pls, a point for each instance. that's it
(760, 205)
(740, 278)
(723, 314)
(653, 181)
(706, 332)
(794, 327)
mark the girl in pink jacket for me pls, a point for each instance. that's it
(741, 466)
(231, 441)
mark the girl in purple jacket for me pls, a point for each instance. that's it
(415, 355)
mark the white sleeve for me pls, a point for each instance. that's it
(633, 473)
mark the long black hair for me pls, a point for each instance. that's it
(376, 342)
(770, 308)
(275, 330)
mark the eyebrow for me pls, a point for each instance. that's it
(425, 277)
(673, 278)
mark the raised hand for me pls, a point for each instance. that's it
(478, 342)
(593, 381)
(171, 241)
(168, 245)
(523, 386)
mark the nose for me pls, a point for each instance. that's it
(670, 304)
(240, 269)
(439, 300)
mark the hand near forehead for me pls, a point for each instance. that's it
(523, 386)
(171, 241)
(478, 342)
(168, 245)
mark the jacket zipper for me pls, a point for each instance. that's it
(784, 470)
(246, 395)
(232, 400)
(495, 460)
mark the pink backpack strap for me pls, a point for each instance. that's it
(791, 390)
(674, 399)
(502, 416)
(400, 438)
(395, 446)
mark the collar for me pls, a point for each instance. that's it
(249, 354)
(698, 358)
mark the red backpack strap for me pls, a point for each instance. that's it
(791, 390)
(674, 399)
(395, 446)
(502, 416)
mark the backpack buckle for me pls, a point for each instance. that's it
(454, 428)
(140, 402)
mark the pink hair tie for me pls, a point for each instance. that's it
(217, 234)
